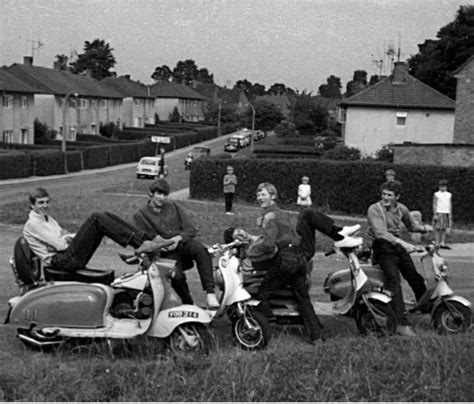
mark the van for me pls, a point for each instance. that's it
(149, 167)
(243, 139)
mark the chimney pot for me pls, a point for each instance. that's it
(400, 72)
(28, 60)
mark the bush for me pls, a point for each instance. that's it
(342, 152)
(42, 133)
(174, 116)
(15, 164)
(286, 129)
(341, 186)
(96, 157)
(74, 161)
(385, 154)
(48, 162)
(109, 130)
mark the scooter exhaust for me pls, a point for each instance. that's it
(39, 344)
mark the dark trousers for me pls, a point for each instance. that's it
(89, 237)
(184, 254)
(279, 275)
(393, 259)
(228, 198)
(310, 220)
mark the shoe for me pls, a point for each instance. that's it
(445, 247)
(349, 242)
(348, 230)
(405, 331)
(229, 213)
(212, 302)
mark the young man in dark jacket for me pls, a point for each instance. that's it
(162, 217)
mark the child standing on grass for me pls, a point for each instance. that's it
(230, 181)
(442, 213)
(304, 193)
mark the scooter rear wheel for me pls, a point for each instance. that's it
(190, 340)
(367, 324)
(452, 318)
(252, 332)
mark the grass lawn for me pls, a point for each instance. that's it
(346, 367)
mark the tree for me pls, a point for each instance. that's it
(437, 59)
(358, 83)
(162, 73)
(174, 116)
(332, 88)
(251, 90)
(277, 89)
(61, 62)
(286, 129)
(185, 72)
(267, 115)
(227, 113)
(204, 76)
(97, 58)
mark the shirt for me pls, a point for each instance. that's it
(386, 223)
(230, 181)
(170, 221)
(277, 232)
(442, 202)
(304, 195)
(45, 236)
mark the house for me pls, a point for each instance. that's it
(138, 106)
(396, 109)
(168, 96)
(17, 110)
(79, 102)
(460, 151)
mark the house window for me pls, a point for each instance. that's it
(157, 102)
(8, 101)
(103, 104)
(401, 118)
(137, 101)
(82, 103)
(24, 102)
(94, 103)
(7, 136)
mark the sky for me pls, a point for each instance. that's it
(299, 43)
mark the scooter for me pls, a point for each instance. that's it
(367, 302)
(250, 328)
(450, 313)
(48, 313)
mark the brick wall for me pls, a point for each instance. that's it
(435, 154)
(464, 116)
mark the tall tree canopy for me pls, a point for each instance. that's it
(437, 59)
(267, 115)
(279, 89)
(61, 62)
(162, 73)
(97, 58)
(332, 88)
(358, 83)
(251, 90)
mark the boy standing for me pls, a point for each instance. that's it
(230, 181)
(442, 213)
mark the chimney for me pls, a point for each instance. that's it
(57, 65)
(127, 76)
(113, 74)
(28, 60)
(400, 73)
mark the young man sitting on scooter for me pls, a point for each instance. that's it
(63, 250)
(162, 217)
(385, 219)
(283, 255)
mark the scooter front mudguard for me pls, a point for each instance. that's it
(379, 296)
(167, 320)
(452, 298)
(62, 304)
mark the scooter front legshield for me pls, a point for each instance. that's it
(167, 320)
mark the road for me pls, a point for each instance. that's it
(89, 181)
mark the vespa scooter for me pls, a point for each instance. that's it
(450, 313)
(250, 328)
(368, 303)
(141, 303)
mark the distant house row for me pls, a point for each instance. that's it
(80, 103)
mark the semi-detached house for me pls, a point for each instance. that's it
(16, 110)
(89, 103)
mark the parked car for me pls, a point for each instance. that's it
(149, 167)
(232, 145)
(200, 151)
(259, 135)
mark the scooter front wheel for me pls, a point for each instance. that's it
(251, 331)
(452, 318)
(190, 340)
(379, 320)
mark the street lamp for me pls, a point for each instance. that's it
(63, 139)
(219, 119)
(253, 127)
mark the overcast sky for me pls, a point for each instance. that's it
(295, 42)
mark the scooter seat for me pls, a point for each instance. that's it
(85, 275)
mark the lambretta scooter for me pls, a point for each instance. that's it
(250, 328)
(48, 313)
(368, 303)
(449, 313)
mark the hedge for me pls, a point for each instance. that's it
(15, 165)
(339, 186)
(96, 157)
(48, 162)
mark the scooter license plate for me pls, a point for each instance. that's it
(177, 314)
